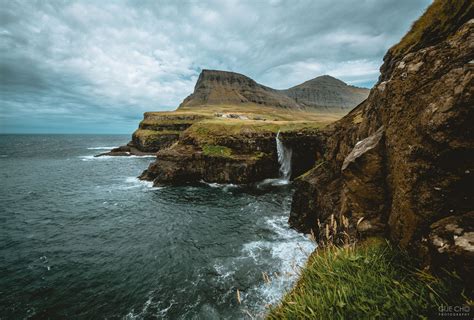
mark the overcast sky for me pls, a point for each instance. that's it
(96, 66)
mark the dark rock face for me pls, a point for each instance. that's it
(222, 87)
(253, 158)
(125, 151)
(419, 170)
(327, 92)
(307, 149)
(155, 142)
(157, 130)
(451, 245)
(363, 194)
(188, 164)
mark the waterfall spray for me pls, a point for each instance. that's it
(284, 158)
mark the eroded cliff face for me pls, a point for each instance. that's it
(157, 130)
(221, 153)
(401, 163)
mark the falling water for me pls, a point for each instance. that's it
(284, 159)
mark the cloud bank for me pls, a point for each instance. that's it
(96, 66)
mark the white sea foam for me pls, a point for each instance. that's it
(101, 148)
(92, 157)
(134, 182)
(224, 186)
(161, 313)
(273, 182)
(290, 249)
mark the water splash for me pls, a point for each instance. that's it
(284, 158)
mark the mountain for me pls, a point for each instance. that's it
(326, 91)
(223, 87)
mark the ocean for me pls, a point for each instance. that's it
(82, 237)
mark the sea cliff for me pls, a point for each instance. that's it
(400, 164)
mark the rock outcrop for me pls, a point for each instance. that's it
(221, 153)
(157, 130)
(401, 163)
(326, 92)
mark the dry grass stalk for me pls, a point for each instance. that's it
(238, 297)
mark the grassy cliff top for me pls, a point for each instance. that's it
(207, 123)
(441, 19)
(258, 111)
(207, 131)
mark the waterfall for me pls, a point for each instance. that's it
(284, 159)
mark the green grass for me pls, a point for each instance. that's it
(266, 112)
(211, 131)
(216, 151)
(372, 281)
(144, 133)
(439, 20)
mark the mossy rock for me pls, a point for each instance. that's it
(216, 151)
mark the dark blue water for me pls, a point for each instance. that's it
(81, 237)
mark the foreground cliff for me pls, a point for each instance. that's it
(401, 163)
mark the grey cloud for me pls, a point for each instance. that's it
(89, 63)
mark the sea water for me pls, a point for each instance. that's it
(82, 237)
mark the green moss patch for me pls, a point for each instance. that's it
(373, 281)
(216, 151)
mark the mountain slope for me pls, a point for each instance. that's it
(326, 91)
(222, 87)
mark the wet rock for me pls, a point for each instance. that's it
(125, 151)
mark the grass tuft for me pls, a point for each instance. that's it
(372, 281)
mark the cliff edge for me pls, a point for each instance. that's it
(401, 163)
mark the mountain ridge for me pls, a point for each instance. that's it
(227, 87)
